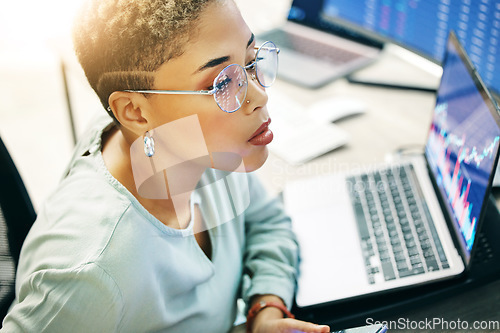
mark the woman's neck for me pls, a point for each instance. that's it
(176, 183)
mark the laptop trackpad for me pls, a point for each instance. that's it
(331, 260)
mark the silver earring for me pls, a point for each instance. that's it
(149, 144)
(248, 102)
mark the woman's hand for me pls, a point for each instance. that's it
(270, 320)
(288, 325)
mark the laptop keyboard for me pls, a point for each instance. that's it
(311, 47)
(398, 236)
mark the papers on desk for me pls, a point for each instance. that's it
(298, 137)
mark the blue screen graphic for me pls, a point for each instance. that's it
(462, 145)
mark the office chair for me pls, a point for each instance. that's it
(16, 217)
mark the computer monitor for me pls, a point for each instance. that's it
(421, 26)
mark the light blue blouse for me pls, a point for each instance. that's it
(97, 261)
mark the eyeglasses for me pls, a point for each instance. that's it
(231, 84)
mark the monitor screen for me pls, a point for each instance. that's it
(421, 26)
(463, 143)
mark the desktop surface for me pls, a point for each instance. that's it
(394, 121)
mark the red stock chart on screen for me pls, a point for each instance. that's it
(463, 169)
(463, 144)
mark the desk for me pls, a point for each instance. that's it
(394, 118)
(480, 304)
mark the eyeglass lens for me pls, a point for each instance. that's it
(231, 84)
(266, 64)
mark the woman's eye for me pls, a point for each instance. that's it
(223, 83)
(251, 65)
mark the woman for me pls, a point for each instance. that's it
(150, 230)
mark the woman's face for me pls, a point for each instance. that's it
(222, 38)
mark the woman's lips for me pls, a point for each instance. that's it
(263, 135)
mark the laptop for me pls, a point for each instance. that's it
(404, 224)
(314, 50)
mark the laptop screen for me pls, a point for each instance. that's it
(463, 143)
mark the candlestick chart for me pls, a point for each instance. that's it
(462, 158)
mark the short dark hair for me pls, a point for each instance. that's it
(121, 43)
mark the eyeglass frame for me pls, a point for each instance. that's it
(214, 90)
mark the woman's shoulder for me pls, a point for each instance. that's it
(87, 191)
(79, 217)
(81, 213)
(85, 195)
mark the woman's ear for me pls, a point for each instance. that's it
(131, 110)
